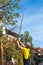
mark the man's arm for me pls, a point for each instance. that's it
(22, 44)
(19, 44)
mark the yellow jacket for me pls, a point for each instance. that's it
(26, 52)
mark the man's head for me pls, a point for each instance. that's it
(27, 46)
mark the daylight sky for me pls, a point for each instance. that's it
(33, 20)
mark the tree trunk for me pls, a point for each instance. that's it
(1, 54)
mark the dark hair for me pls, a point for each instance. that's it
(27, 46)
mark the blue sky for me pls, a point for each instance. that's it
(33, 20)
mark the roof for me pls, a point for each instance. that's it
(9, 32)
(38, 49)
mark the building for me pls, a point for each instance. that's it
(39, 51)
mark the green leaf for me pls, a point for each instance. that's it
(19, 0)
(17, 6)
(16, 15)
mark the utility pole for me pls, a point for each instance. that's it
(21, 24)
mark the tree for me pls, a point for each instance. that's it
(8, 15)
(22, 38)
(26, 38)
(7, 11)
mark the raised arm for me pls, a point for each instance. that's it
(22, 44)
(19, 44)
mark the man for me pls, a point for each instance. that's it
(26, 53)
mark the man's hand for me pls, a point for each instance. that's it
(18, 41)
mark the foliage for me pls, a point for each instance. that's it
(26, 37)
(3, 39)
(11, 51)
(7, 11)
(20, 58)
(8, 15)
(0, 31)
